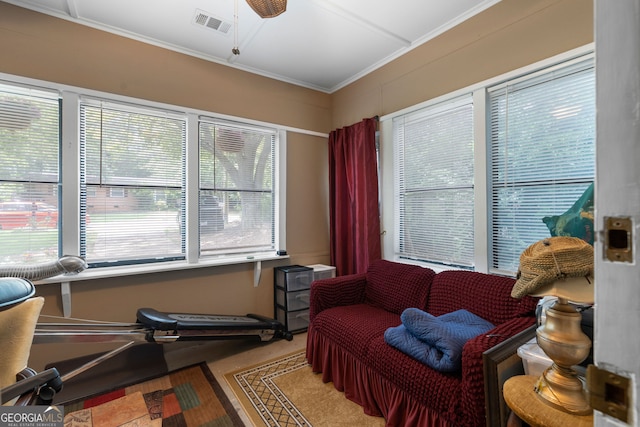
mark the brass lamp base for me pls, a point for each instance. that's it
(563, 390)
(562, 339)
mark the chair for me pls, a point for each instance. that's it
(19, 312)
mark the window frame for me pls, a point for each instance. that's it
(482, 226)
(216, 187)
(576, 182)
(70, 160)
(407, 189)
(119, 190)
(38, 175)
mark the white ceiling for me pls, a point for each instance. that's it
(319, 44)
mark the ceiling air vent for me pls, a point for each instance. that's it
(205, 19)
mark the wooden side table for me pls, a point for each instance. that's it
(521, 398)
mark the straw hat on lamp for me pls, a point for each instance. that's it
(545, 262)
(560, 266)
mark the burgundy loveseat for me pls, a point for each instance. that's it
(348, 318)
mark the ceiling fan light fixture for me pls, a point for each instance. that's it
(268, 8)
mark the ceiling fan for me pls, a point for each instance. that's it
(268, 8)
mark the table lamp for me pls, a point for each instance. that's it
(561, 267)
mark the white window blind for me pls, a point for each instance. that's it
(542, 149)
(29, 175)
(236, 194)
(434, 162)
(132, 183)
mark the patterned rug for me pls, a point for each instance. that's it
(188, 397)
(285, 393)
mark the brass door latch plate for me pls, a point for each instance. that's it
(618, 239)
(608, 392)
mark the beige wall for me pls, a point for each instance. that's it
(509, 35)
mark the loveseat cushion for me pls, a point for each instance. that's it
(353, 327)
(485, 295)
(395, 286)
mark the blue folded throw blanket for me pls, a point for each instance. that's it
(436, 341)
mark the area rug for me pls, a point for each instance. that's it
(135, 364)
(285, 392)
(188, 397)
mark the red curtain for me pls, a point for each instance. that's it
(353, 197)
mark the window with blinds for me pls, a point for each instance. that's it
(29, 175)
(435, 194)
(143, 182)
(132, 183)
(236, 193)
(542, 155)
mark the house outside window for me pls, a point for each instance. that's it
(130, 154)
(117, 192)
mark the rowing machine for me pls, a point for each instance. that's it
(151, 326)
(156, 327)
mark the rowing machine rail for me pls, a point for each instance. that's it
(157, 327)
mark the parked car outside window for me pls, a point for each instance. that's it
(211, 214)
(27, 214)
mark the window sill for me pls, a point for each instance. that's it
(107, 272)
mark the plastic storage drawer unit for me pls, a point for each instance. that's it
(291, 296)
(294, 277)
(296, 300)
(293, 321)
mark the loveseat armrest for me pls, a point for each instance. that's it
(336, 291)
(473, 398)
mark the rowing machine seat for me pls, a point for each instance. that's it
(19, 313)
